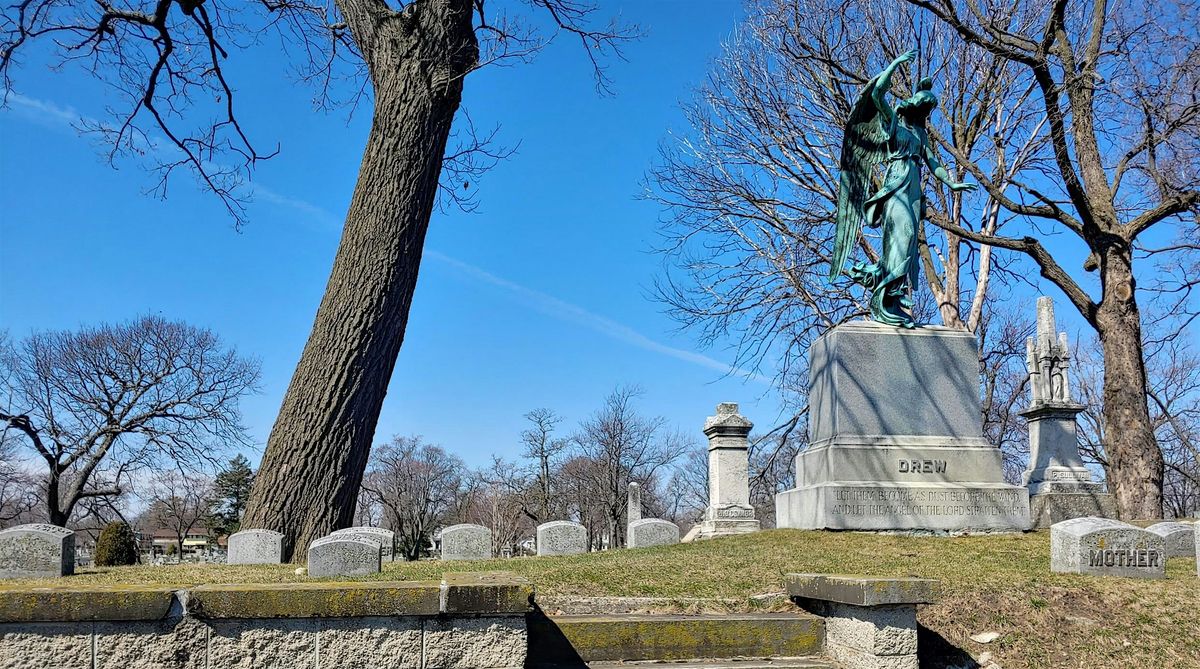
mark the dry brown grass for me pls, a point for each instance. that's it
(997, 583)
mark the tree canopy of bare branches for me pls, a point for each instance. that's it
(417, 485)
(101, 403)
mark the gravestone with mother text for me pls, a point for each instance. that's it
(37, 551)
(1106, 547)
(896, 437)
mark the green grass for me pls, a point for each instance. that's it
(999, 583)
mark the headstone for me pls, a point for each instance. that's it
(896, 437)
(255, 547)
(1179, 538)
(729, 510)
(466, 542)
(385, 538)
(37, 551)
(652, 532)
(633, 510)
(1106, 547)
(561, 537)
(1060, 485)
(343, 556)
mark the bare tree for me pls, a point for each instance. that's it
(179, 501)
(417, 485)
(101, 403)
(18, 490)
(412, 59)
(543, 450)
(1118, 88)
(625, 447)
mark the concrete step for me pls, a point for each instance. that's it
(580, 640)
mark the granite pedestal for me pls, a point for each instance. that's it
(729, 510)
(896, 437)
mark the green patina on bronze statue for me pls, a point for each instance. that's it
(876, 133)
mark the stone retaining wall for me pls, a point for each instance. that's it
(467, 621)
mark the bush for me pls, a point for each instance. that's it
(116, 546)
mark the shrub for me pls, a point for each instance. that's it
(116, 546)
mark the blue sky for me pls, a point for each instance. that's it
(538, 299)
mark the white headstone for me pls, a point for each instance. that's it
(1179, 538)
(653, 532)
(343, 556)
(255, 547)
(385, 538)
(561, 537)
(466, 542)
(1106, 547)
(37, 551)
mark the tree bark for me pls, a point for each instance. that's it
(310, 474)
(1136, 463)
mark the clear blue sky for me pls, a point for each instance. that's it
(539, 299)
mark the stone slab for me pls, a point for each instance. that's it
(571, 640)
(561, 537)
(28, 645)
(255, 547)
(485, 593)
(927, 379)
(1179, 539)
(337, 556)
(258, 644)
(71, 603)
(904, 506)
(1106, 547)
(332, 600)
(37, 550)
(1050, 508)
(466, 542)
(384, 537)
(863, 591)
(649, 532)
(174, 643)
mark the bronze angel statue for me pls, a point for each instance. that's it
(876, 133)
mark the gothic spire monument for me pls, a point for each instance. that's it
(1060, 485)
(895, 426)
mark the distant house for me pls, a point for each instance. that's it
(195, 541)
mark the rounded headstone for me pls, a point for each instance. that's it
(561, 537)
(385, 538)
(652, 532)
(37, 551)
(255, 547)
(466, 542)
(1179, 538)
(343, 556)
(1106, 547)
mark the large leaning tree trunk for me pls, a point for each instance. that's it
(310, 474)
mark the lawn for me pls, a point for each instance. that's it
(999, 583)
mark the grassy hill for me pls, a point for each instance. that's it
(996, 583)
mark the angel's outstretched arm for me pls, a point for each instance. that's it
(939, 171)
(884, 82)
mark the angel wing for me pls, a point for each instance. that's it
(864, 145)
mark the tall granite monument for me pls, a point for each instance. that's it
(896, 437)
(1060, 485)
(729, 510)
(895, 429)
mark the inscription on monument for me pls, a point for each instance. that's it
(922, 466)
(926, 502)
(735, 512)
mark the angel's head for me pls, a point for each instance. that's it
(916, 109)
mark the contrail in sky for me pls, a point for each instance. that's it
(51, 114)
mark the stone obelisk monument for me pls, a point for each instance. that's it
(1060, 485)
(729, 510)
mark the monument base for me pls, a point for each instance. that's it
(727, 521)
(1054, 507)
(864, 505)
